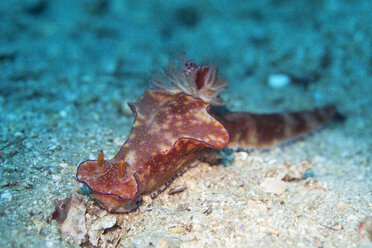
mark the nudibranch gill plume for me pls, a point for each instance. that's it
(174, 123)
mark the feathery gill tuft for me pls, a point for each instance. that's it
(184, 75)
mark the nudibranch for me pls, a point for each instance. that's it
(174, 123)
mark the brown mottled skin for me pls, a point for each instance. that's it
(248, 130)
(169, 130)
(173, 125)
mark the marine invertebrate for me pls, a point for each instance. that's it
(174, 123)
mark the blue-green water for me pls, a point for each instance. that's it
(68, 67)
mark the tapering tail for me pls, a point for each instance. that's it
(248, 131)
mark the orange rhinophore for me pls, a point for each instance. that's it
(100, 159)
(174, 123)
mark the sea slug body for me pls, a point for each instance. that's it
(174, 123)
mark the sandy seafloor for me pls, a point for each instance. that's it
(67, 69)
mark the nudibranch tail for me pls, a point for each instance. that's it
(249, 131)
(185, 76)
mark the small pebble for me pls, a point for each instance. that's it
(18, 134)
(278, 80)
(162, 244)
(273, 232)
(28, 145)
(56, 178)
(96, 116)
(63, 165)
(104, 223)
(63, 113)
(147, 201)
(6, 196)
(273, 185)
(256, 205)
(177, 229)
(342, 206)
(365, 228)
(125, 109)
(243, 156)
(108, 221)
(177, 189)
(317, 96)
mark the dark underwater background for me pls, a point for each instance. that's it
(68, 68)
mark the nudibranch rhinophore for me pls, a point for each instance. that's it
(174, 123)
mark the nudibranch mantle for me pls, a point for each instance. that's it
(170, 129)
(174, 123)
